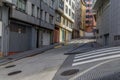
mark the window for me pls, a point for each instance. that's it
(73, 15)
(33, 7)
(70, 25)
(87, 16)
(69, 2)
(117, 37)
(73, 6)
(21, 5)
(58, 18)
(69, 12)
(38, 11)
(67, 22)
(61, 4)
(64, 21)
(19, 29)
(41, 13)
(66, 9)
(91, 16)
(89, 5)
(52, 1)
(87, 22)
(45, 16)
(87, 11)
(51, 19)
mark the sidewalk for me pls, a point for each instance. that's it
(84, 47)
(25, 54)
(42, 66)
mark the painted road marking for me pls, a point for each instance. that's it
(107, 51)
(91, 68)
(97, 59)
(100, 55)
(98, 51)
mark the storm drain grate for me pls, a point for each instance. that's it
(70, 72)
(10, 58)
(14, 73)
(10, 66)
(33, 55)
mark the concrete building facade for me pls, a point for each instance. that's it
(69, 12)
(82, 13)
(89, 16)
(64, 20)
(108, 22)
(4, 21)
(77, 23)
(27, 24)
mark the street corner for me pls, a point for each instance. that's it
(61, 74)
(106, 70)
(68, 70)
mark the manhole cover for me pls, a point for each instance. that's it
(70, 72)
(14, 73)
(10, 66)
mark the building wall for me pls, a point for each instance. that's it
(89, 16)
(69, 12)
(33, 19)
(64, 21)
(4, 35)
(20, 41)
(114, 22)
(77, 23)
(104, 25)
(83, 12)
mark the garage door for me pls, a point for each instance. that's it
(46, 38)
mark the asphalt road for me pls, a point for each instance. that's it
(91, 64)
(100, 64)
(38, 67)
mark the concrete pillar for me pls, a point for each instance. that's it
(34, 38)
(5, 31)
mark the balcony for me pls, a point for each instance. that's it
(60, 7)
(47, 8)
(8, 1)
(47, 25)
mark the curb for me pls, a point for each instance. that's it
(30, 53)
(75, 48)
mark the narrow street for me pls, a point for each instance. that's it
(38, 67)
(59, 40)
(78, 60)
(99, 64)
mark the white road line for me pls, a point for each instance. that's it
(91, 68)
(93, 60)
(114, 53)
(99, 50)
(98, 53)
